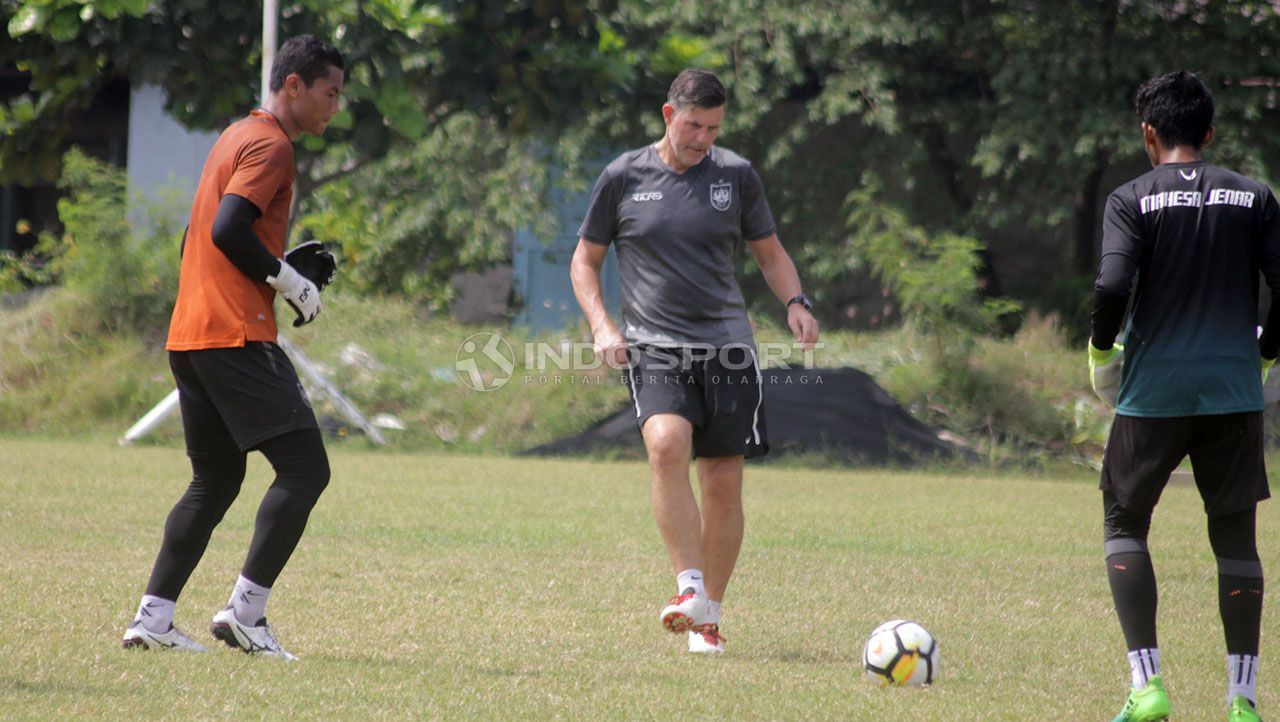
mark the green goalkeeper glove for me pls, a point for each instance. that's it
(1105, 369)
(1267, 363)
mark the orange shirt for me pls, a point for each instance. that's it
(218, 306)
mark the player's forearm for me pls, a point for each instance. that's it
(233, 235)
(1269, 341)
(781, 276)
(1107, 316)
(590, 295)
(1110, 297)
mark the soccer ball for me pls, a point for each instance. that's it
(901, 654)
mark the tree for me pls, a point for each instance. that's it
(411, 65)
(430, 88)
(981, 117)
(994, 119)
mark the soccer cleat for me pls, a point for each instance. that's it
(686, 613)
(139, 637)
(1149, 704)
(709, 642)
(1242, 710)
(256, 639)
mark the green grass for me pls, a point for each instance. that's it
(446, 587)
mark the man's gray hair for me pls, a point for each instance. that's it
(694, 88)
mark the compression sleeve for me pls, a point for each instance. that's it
(233, 235)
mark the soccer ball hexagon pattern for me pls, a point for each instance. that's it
(900, 654)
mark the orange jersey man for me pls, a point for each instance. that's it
(237, 389)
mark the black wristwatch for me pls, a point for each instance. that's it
(803, 300)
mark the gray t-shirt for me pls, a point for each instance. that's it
(676, 236)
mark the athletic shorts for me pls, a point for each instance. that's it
(1226, 457)
(233, 399)
(718, 390)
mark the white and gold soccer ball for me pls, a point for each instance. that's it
(901, 654)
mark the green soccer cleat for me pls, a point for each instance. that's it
(1149, 704)
(1242, 710)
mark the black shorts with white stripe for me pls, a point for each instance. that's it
(718, 390)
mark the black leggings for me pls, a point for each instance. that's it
(302, 473)
(1233, 538)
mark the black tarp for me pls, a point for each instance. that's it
(839, 412)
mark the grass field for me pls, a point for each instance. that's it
(444, 587)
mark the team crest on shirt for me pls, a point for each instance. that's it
(721, 195)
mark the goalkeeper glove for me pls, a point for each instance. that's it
(1105, 369)
(299, 291)
(314, 262)
(1267, 363)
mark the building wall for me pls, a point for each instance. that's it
(165, 158)
(542, 270)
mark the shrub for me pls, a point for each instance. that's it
(125, 271)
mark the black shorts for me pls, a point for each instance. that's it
(233, 399)
(718, 390)
(1226, 457)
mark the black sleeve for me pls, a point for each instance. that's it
(233, 235)
(1269, 257)
(1121, 249)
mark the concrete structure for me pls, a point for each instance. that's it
(164, 158)
(542, 270)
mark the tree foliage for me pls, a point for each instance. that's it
(989, 118)
(999, 120)
(411, 65)
(449, 203)
(126, 272)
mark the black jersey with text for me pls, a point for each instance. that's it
(1194, 237)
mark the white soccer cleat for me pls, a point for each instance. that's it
(709, 642)
(686, 613)
(138, 637)
(257, 639)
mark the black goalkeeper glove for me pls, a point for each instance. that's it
(313, 262)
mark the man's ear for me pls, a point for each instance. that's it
(1151, 137)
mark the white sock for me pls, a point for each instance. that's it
(691, 578)
(156, 613)
(713, 611)
(1143, 665)
(249, 600)
(1242, 677)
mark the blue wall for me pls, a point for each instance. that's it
(542, 270)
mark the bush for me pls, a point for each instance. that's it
(1027, 391)
(406, 224)
(125, 272)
